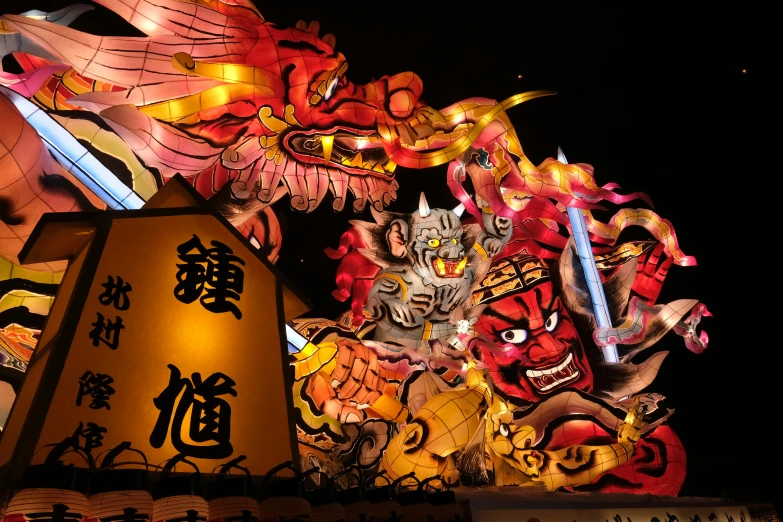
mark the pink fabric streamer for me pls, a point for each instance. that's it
(687, 329)
(28, 83)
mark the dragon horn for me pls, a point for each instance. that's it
(561, 156)
(424, 208)
(227, 72)
(459, 209)
(418, 160)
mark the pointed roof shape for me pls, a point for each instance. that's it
(63, 235)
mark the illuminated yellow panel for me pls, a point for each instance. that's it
(229, 357)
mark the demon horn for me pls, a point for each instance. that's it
(561, 156)
(424, 208)
(459, 209)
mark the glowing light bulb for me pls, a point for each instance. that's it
(148, 26)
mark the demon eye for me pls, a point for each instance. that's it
(504, 430)
(516, 336)
(434, 243)
(454, 240)
(551, 322)
(332, 87)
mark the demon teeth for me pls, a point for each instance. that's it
(561, 381)
(553, 370)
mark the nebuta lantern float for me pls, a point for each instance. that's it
(474, 350)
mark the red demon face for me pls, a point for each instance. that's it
(536, 350)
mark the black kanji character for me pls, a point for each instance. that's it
(98, 387)
(59, 513)
(225, 280)
(192, 274)
(210, 418)
(116, 293)
(129, 514)
(191, 516)
(107, 332)
(92, 435)
(213, 275)
(246, 516)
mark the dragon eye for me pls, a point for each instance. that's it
(454, 240)
(434, 243)
(514, 336)
(551, 322)
(332, 87)
(504, 430)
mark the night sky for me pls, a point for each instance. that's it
(657, 99)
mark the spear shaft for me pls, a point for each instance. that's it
(593, 278)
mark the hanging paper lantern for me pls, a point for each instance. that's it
(352, 498)
(179, 498)
(232, 497)
(53, 489)
(120, 491)
(323, 499)
(382, 497)
(444, 501)
(281, 497)
(32, 503)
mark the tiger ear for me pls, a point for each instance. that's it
(397, 237)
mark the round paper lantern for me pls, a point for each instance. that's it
(179, 498)
(120, 490)
(232, 497)
(380, 493)
(53, 489)
(323, 499)
(281, 497)
(352, 498)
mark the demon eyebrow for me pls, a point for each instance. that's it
(300, 46)
(546, 309)
(522, 322)
(521, 302)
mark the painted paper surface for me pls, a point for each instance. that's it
(160, 336)
(469, 350)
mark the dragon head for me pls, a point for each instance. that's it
(218, 94)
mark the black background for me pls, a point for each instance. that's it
(654, 97)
